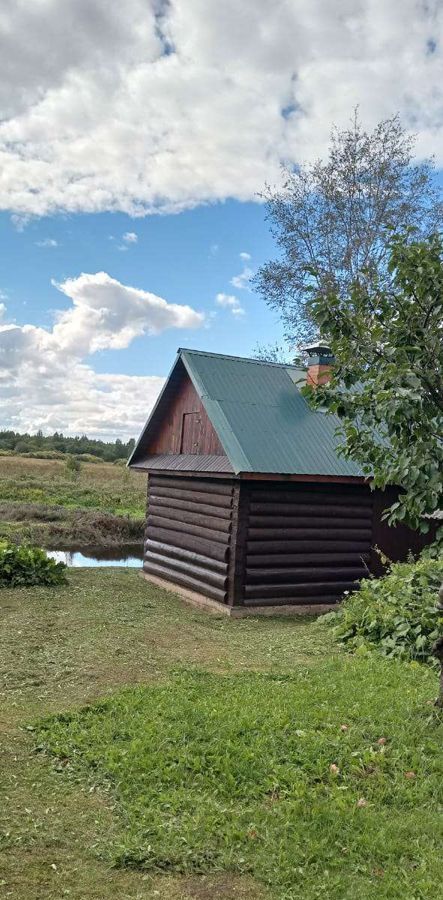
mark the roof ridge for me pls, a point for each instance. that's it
(251, 359)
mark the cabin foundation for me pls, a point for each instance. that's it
(236, 612)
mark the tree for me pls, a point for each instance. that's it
(276, 353)
(387, 384)
(332, 220)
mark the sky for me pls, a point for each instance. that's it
(135, 139)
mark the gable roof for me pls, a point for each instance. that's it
(262, 420)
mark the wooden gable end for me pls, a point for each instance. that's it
(185, 427)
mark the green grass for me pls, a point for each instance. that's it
(41, 501)
(199, 768)
(233, 773)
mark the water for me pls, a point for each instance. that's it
(120, 556)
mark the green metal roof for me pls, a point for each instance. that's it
(263, 422)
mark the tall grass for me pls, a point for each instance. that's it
(97, 486)
(42, 502)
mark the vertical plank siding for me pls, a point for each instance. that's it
(186, 428)
(305, 544)
(188, 533)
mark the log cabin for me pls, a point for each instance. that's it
(250, 507)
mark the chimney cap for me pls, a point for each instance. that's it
(320, 347)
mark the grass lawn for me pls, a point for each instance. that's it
(152, 751)
(41, 501)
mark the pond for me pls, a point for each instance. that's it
(92, 556)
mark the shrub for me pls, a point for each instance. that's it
(396, 614)
(43, 454)
(73, 465)
(22, 565)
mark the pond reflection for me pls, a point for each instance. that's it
(118, 556)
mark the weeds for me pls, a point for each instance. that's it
(41, 502)
(28, 566)
(396, 615)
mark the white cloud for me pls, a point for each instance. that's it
(47, 242)
(242, 281)
(245, 256)
(130, 237)
(45, 381)
(229, 301)
(19, 221)
(163, 105)
(2, 309)
(109, 315)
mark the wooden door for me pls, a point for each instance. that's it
(191, 433)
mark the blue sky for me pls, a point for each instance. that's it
(186, 258)
(163, 120)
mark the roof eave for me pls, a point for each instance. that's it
(130, 463)
(238, 461)
(290, 476)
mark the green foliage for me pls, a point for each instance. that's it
(210, 773)
(387, 385)
(99, 486)
(52, 446)
(22, 565)
(396, 615)
(73, 465)
(42, 503)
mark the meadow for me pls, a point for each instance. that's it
(153, 751)
(43, 502)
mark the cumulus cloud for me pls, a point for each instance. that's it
(229, 301)
(45, 379)
(163, 105)
(108, 315)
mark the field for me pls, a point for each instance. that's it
(41, 501)
(153, 751)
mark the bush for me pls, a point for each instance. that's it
(22, 565)
(43, 454)
(73, 465)
(396, 614)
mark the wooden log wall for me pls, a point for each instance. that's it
(305, 544)
(188, 533)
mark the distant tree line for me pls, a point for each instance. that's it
(40, 444)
